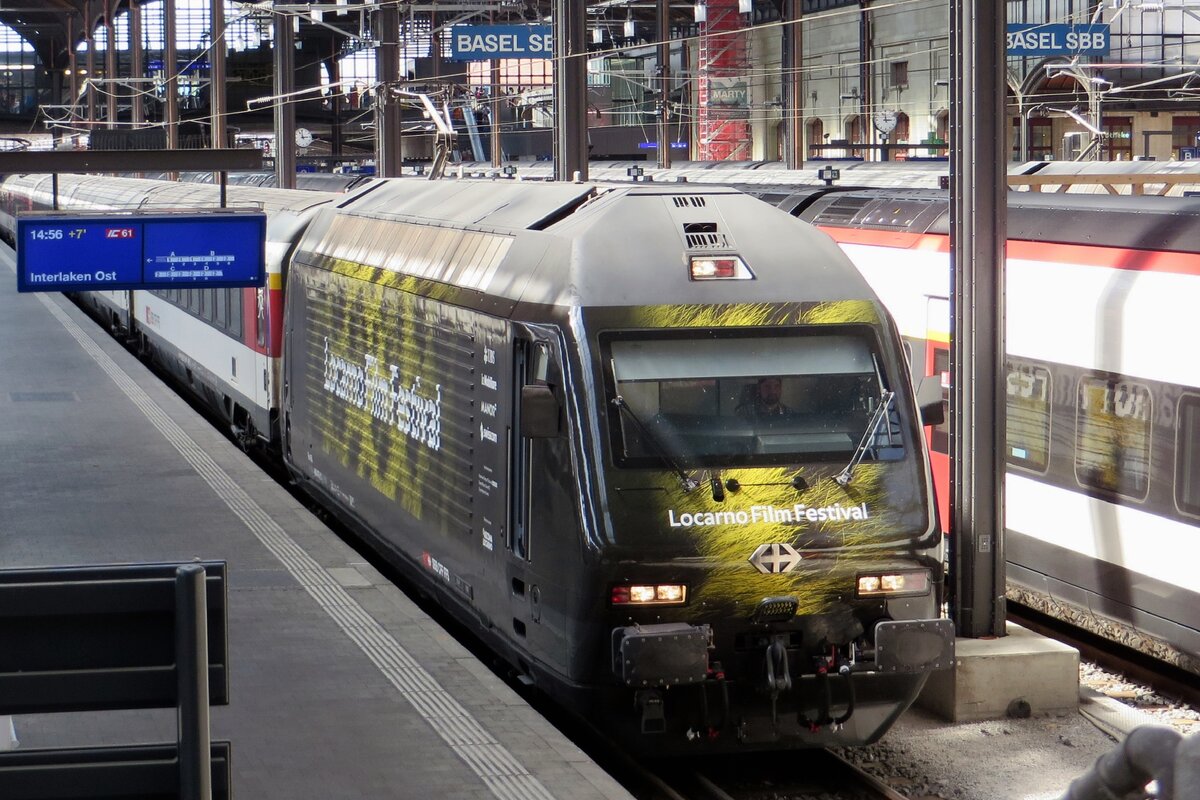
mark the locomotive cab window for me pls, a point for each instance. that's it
(748, 399)
(1112, 443)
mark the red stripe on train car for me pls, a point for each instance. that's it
(1083, 255)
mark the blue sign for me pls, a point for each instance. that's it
(654, 145)
(1033, 39)
(91, 252)
(478, 42)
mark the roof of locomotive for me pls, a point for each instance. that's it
(567, 244)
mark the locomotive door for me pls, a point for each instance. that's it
(937, 363)
(538, 537)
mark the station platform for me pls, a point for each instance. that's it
(340, 687)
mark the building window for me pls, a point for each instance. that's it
(816, 137)
(1185, 132)
(19, 71)
(899, 135)
(1118, 141)
(1041, 139)
(1187, 455)
(1112, 441)
(899, 73)
(854, 134)
(1027, 435)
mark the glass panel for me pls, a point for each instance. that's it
(940, 441)
(1187, 450)
(1028, 410)
(744, 400)
(1112, 447)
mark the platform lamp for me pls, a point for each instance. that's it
(700, 11)
(628, 28)
(745, 6)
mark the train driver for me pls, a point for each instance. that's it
(766, 400)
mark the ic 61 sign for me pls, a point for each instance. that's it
(112, 250)
(1034, 39)
(478, 42)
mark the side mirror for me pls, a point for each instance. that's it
(539, 412)
(929, 401)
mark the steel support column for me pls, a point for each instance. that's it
(388, 148)
(137, 66)
(171, 69)
(89, 31)
(793, 85)
(497, 148)
(216, 76)
(72, 62)
(110, 66)
(570, 90)
(663, 27)
(978, 226)
(285, 108)
(335, 102)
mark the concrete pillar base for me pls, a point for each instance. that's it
(1015, 675)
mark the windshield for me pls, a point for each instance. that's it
(748, 399)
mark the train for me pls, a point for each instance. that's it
(673, 473)
(1102, 489)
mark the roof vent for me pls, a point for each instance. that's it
(692, 200)
(704, 236)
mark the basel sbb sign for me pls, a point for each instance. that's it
(1056, 40)
(111, 250)
(476, 42)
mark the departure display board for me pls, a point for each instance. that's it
(111, 250)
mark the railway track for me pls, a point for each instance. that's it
(786, 775)
(1165, 679)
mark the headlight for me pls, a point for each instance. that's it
(894, 584)
(649, 594)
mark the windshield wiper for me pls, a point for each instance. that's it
(885, 400)
(689, 483)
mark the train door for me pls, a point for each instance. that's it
(262, 381)
(937, 362)
(538, 529)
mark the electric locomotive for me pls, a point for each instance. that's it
(544, 398)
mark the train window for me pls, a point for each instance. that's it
(193, 300)
(765, 399)
(1187, 454)
(1028, 414)
(261, 315)
(221, 308)
(235, 312)
(940, 439)
(1112, 440)
(207, 303)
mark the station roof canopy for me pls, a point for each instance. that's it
(54, 27)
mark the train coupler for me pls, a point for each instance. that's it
(650, 701)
